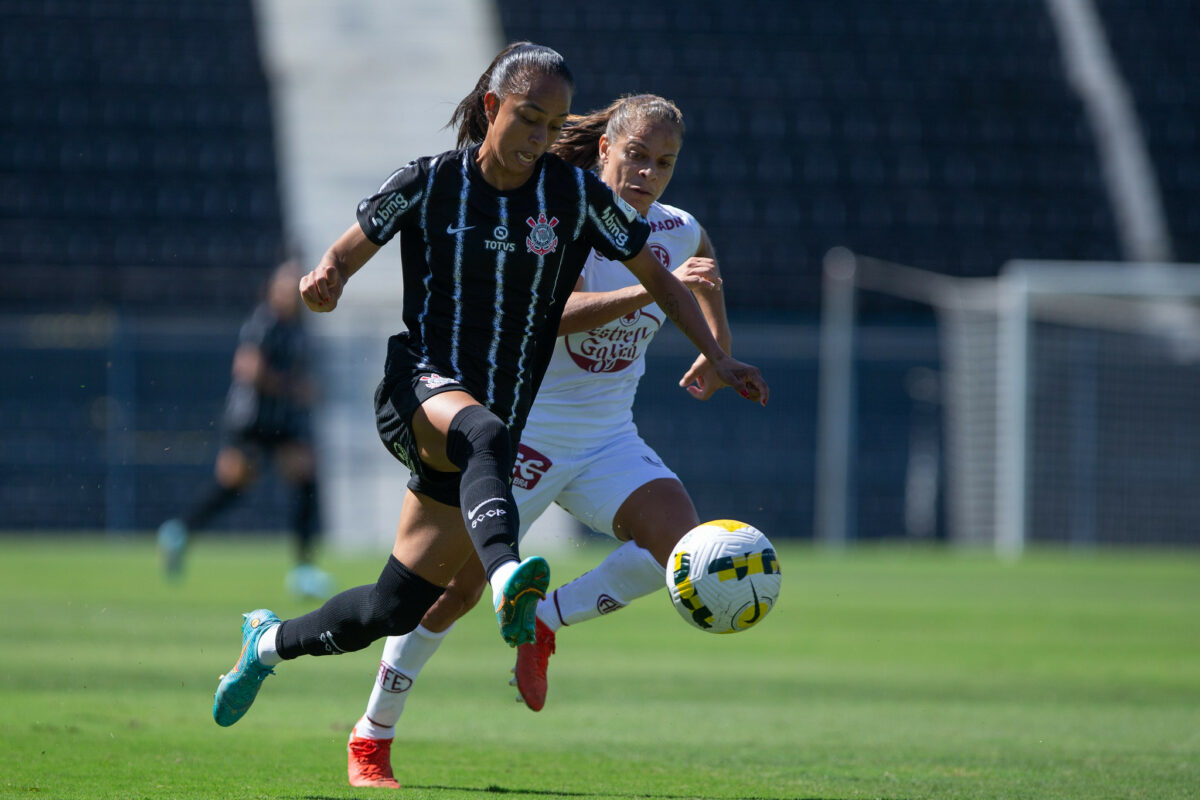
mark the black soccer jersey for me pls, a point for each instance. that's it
(488, 272)
(283, 345)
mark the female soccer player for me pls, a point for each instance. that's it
(267, 415)
(493, 237)
(580, 447)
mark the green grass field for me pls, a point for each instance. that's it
(882, 673)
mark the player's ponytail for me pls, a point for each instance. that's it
(510, 72)
(579, 143)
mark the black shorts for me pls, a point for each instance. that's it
(405, 386)
(259, 438)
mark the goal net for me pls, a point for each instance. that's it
(1070, 398)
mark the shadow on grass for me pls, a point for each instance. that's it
(460, 791)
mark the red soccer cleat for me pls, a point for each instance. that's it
(531, 667)
(370, 762)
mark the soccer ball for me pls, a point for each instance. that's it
(723, 576)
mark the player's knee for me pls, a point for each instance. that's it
(233, 470)
(399, 600)
(476, 430)
(391, 614)
(460, 598)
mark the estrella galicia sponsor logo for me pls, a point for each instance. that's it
(542, 239)
(662, 254)
(395, 204)
(606, 604)
(393, 681)
(475, 516)
(529, 467)
(615, 227)
(614, 346)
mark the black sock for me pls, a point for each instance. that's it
(479, 444)
(351, 620)
(216, 500)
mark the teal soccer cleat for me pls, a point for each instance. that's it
(516, 607)
(239, 687)
(172, 540)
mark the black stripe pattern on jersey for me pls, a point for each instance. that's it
(487, 272)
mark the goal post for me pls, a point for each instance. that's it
(1069, 399)
(1102, 397)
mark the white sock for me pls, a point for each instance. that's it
(403, 658)
(629, 572)
(500, 577)
(267, 653)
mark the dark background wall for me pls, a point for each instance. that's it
(139, 202)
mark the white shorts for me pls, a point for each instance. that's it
(590, 484)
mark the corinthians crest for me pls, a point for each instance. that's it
(542, 239)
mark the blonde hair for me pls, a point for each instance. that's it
(580, 140)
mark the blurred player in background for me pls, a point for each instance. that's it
(266, 416)
(581, 448)
(493, 237)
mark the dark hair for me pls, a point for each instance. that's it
(579, 143)
(511, 72)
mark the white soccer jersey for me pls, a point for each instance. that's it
(588, 390)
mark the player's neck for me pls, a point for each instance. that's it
(498, 175)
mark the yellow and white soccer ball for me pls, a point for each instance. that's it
(723, 576)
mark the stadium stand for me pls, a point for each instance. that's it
(137, 183)
(1155, 44)
(138, 176)
(933, 133)
(137, 164)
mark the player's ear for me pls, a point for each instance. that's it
(603, 148)
(491, 106)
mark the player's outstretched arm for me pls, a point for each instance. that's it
(678, 304)
(708, 288)
(587, 310)
(701, 380)
(322, 287)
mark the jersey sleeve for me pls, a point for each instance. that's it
(380, 215)
(613, 228)
(691, 227)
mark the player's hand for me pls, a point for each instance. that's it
(744, 378)
(702, 380)
(321, 288)
(699, 273)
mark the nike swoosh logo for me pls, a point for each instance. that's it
(757, 607)
(450, 229)
(472, 512)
